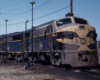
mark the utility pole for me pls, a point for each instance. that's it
(28, 63)
(71, 9)
(26, 34)
(32, 29)
(6, 40)
(71, 6)
(3, 49)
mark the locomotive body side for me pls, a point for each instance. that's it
(42, 40)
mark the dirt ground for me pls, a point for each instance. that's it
(11, 71)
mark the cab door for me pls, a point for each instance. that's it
(49, 31)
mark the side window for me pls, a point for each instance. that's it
(17, 37)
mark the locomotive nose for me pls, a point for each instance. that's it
(86, 35)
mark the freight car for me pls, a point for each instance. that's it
(66, 41)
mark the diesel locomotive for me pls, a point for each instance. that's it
(66, 41)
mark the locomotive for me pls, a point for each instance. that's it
(65, 41)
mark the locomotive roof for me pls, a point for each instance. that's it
(39, 26)
(18, 33)
(1, 36)
(11, 34)
(45, 24)
(72, 17)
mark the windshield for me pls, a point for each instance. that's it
(80, 21)
(63, 21)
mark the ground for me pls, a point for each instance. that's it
(13, 71)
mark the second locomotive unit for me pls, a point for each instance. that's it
(66, 41)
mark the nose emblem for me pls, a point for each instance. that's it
(82, 41)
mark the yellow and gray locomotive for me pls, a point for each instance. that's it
(78, 42)
(69, 40)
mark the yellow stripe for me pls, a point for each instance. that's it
(73, 51)
(43, 26)
(16, 41)
(11, 52)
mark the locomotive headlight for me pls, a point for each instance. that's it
(81, 27)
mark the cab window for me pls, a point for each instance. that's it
(80, 21)
(63, 22)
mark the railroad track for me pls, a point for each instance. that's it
(91, 70)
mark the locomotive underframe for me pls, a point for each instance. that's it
(73, 58)
(60, 58)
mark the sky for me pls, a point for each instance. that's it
(17, 12)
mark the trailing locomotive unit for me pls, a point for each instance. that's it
(70, 40)
(14, 45)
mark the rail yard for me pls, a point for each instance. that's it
(13, 71)
(64, 48)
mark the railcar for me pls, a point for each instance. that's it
(66, 41)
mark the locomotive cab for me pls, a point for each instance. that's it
(67, 21)
(78, 41)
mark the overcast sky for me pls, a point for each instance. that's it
(18, 11)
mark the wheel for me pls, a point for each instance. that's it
(52, 61)
(19, 60)
(42, 60)
(35, 60)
